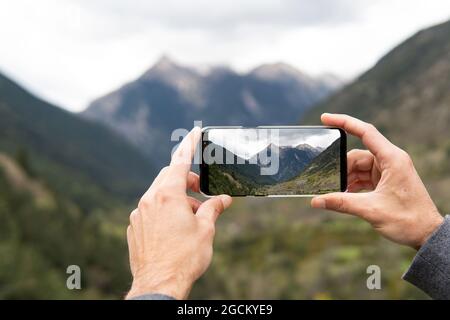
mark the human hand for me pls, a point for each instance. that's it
(170, 236)
(397, 205)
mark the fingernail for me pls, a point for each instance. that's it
(319, 203)
(226, 200)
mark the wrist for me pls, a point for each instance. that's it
(171, 286)
(434, 224)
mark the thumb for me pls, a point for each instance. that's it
(356, 204)
(212, 208)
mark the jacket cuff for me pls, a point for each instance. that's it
(153, 296)
(430, 269)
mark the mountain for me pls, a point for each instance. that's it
(290, 160)
(308, 148)
(80, 159)
(406, 94)
(170, 96)
(326, 162)
(246, 171)
(321, 175)
(244, 176)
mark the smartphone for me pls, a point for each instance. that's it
(288, 161)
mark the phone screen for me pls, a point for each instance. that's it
(271, 161)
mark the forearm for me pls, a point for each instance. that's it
(430, 269)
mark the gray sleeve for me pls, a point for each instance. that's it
(430, 269)
(153, 296)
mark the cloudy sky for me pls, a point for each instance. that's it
(72, 51)
(247, 142)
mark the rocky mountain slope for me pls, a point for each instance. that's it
(321, 175)
(407, 96)
(170, 96)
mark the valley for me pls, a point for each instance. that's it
(302, 170)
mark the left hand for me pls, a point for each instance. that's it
(170, 237)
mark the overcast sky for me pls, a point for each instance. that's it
(72, 51)
(247, 142)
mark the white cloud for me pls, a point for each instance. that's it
(71, 52)
(247, 142)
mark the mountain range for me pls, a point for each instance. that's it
(290, 161)
(245, 176)
(170, 96)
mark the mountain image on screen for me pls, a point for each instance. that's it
(303, 170)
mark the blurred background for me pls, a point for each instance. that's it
(90, 92)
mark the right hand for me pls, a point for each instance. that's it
(397, 205)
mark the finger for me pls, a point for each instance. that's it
(369, 135)
(193, 182)
(359, 160)
(132, 249)
(363, 176)
(212, 208)
(356, 204)
(160, 177)
(158, 180)
(181, 162)
(194, 203)
(360, 186)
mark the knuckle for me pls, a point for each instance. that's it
(404, 158)
(340, 204)
(210, 229)
(370, 128)
(133, 217)
(144, 203)
(219, 208)
(353, 151)
(162, 195)
(164, 170)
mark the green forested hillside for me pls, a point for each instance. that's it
(66, 188)
(79, 159)
(42, 233)
(406, 93)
